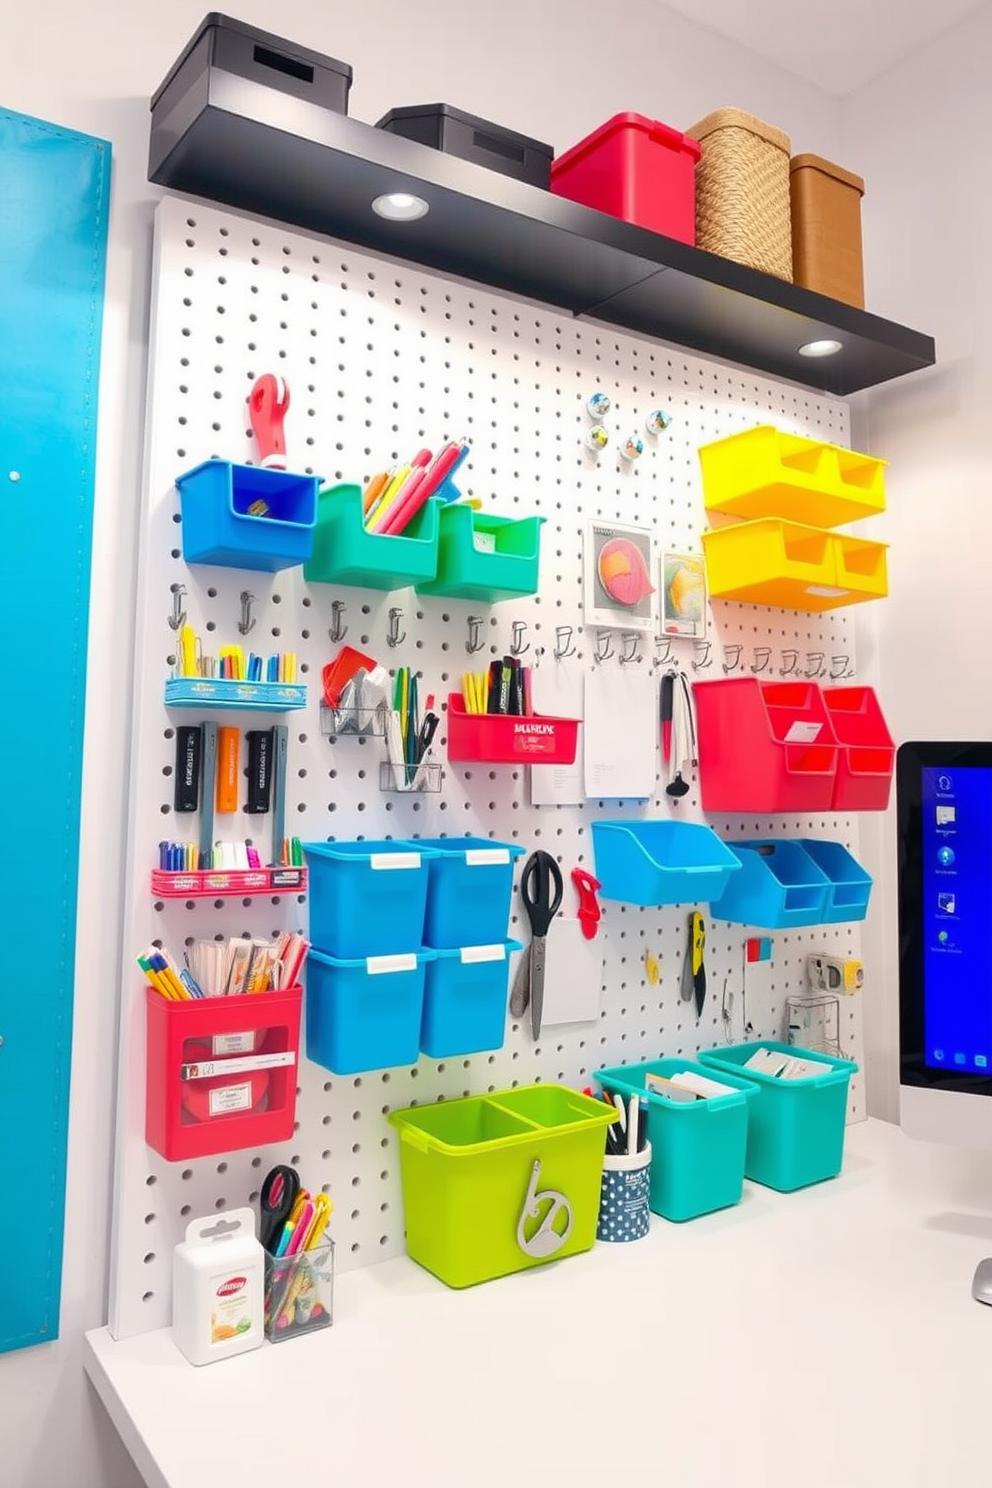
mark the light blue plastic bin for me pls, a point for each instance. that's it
(661, 862)
(364, 1014)
(367, 898)
(697, 1149)
(850, 884)
(465, 997)
(218, 528)
(469, 884)
(779, 887)
(796, 1128)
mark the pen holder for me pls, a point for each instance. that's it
(299, 1292)
(625, 1191)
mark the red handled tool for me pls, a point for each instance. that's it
(589, 910)
(268, 403)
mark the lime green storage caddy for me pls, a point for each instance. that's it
(499, 1183)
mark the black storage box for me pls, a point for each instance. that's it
(225, 55)
(456, 133)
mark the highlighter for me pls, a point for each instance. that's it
(228, 753)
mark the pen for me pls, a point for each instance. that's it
(632, 1123)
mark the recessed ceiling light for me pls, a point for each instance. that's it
(400, 206)
(821, 348)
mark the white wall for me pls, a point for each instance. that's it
(921, 136)
(554, 70)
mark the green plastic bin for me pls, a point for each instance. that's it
(484, 557)
(795, 1133)
(697, 1150)
(345, 552)
(499, 1183)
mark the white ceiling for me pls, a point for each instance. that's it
(838, 44)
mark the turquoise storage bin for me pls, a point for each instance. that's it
(367, 898)
(779, 887)
(697, 1150)
(850, 884)
(465, 995)
(218, 528)
(364, 1014)
(344, 552)
(795, 1133)
(661, 862)
(469, 884)
(484, 557)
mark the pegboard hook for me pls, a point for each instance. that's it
(603, 652)
(246, 623)
(666, 658)
(703, 659)
(337, 631)
(178, 616)
(735, 652)
(519, 631)
(393, 637)
(789, 668)
(564, 645)
(814, 665)
(762, 659)
(474, 642)
(840, 668)
(631, 643)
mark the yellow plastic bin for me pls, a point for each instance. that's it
(771, 562)
(765, 472)
(500, 1183)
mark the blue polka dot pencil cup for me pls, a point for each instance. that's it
(624, 1213)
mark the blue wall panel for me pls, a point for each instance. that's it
(54, 189)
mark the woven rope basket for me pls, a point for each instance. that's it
(742, 191)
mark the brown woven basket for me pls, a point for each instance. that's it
(742, 191)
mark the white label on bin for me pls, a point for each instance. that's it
(483, 953)
(209, 1069)
(230, 1098)
(234, 1043)
(477, 857)
(803, 733)
(380, 861)
(380, 965)
(823, 591)
(484, 542)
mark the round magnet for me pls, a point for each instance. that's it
(658, 421)
(598, 405)
(597, 439)
(632, 447)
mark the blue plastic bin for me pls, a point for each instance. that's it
(218, 527)
(469, 884)
(465, 1000)
(661, 862)
(697, 1150)
(796, 1128)
(850, 884)
(367, 898)
(779, 887)
(364, 1014)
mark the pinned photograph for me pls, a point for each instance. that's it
(618, 570)
(683, 595)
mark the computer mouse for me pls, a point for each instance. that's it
(981, 1287)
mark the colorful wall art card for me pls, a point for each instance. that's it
(683, 595)
(618, 570)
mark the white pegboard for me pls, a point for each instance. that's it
(382, 359)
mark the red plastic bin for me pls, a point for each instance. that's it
(500, 739)
(867, 751)
(188, 1115)
(635, 168)
(764, 746)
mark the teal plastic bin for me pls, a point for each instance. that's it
(796, 1128)
(367, 898)
(345, 552)
(850, 884)
(364, 1014)
(697, 1150)
(469, 886)
(484, 557)
(661, 862)
(779, 887)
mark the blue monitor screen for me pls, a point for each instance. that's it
(957, 918)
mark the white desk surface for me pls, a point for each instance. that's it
(825, 1338)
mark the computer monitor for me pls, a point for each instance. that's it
(944, 801)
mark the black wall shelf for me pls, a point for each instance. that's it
(240, 142)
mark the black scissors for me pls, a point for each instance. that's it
(278, 1195)
(541, 889)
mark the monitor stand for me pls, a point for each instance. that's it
(981, 1287)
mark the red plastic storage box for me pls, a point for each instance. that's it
(508, 739)
(221, 1072)
(867, 753)
(764, 746)
(635, 168)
